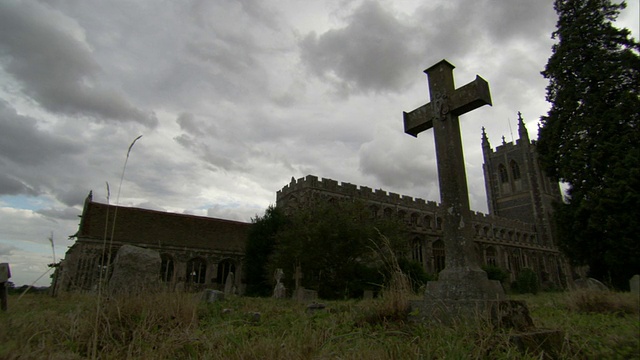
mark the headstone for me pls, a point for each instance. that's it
(634, 284)
(304, 295)
(279, 292)
(5, 275)
(135, 270)
(229, 284)
(315, 307)
(211, 295)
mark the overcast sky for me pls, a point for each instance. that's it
(233, 98)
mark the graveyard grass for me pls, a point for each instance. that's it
(179, 326)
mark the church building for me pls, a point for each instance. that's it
(199, 252)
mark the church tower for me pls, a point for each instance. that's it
(516, 186)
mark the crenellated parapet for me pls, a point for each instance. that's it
(422, 217)
(344, 189)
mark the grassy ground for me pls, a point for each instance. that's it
(178, 326)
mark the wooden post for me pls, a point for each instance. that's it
(5, 274)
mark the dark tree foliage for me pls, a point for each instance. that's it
(590, 138)
(260, 245)
(332, 242)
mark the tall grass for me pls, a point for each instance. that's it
(179, 326)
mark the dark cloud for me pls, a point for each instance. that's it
(371, 53)
(44, 51)
(11, 186)
(68, 213)
(22, 142)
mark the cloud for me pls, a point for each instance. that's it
(22, 142)
(45, 51)
(370, 54)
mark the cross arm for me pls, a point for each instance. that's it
(418, 120)
(470, 97)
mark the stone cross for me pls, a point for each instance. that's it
(441, 114)
(462, 278)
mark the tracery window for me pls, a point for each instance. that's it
(504, 176)
(196, 271)
(515, 170)
(166, 267)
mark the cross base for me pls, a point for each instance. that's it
(464, 284)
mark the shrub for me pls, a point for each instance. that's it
(526, 282)
(496, 273)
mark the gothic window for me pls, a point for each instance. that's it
(438, 256)
(515, 170)
(224, 268)
(388, 213)
(414, 219)
(427, 222)
(416, 253)
(402, 215)
(491, 256)
(439, 223)
(504, 176)
(166, 268)
(373, 211)
(196, 271)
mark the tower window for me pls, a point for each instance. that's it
(515, 170)
(502, 170)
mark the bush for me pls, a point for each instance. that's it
(526, 282)
(496, 273)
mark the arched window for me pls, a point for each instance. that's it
(416, 253)
(414, 219)
(427, 222)
(166, 268)
(224, 268)
(388, 213)
(439, 223)
(438, 256)
(504, 176)
(491, 256)
(196, 271)
(515, 170)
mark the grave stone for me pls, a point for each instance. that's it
(211, 295)
(229, 284)
(634, 284)
(135, 270)
(279, 292)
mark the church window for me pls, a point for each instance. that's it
(502, 170)
(224, 268)
(439, 223)
(414, 219)
(196, 271)
(515, 170)
(388, 213)
(491, 256)
(438, 256)
(427, 222)
(416, 254)
(166, 268)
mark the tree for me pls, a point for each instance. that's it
(590, 138)
(332, 243)
(260, 245)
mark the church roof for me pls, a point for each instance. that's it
(162, 229)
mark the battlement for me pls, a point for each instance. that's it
(348, 189)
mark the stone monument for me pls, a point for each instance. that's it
(462, 287)
(279, 292)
